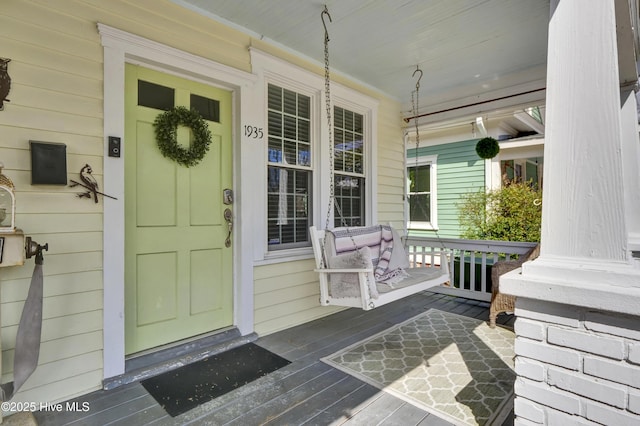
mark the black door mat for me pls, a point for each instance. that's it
(184, 388)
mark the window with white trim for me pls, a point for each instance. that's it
(421, 192)
(296, 157)
(289, 170)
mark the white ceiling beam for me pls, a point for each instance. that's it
(529, 121)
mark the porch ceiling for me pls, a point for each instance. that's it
(469, 50)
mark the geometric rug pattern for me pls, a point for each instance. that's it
(453, 366)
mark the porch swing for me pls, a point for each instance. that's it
(367, 266)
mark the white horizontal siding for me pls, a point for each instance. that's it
(390, 164)
(57, 285)
(286, 295)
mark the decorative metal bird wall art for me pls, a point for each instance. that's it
(89, 183)
(5, 82)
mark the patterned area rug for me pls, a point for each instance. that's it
(452, 366)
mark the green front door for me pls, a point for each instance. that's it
(178, 271)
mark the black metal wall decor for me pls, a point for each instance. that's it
(5, 81)
(89, 183)
(48, 163)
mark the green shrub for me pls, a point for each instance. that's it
(511, 213)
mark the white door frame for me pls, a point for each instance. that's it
(120, 47)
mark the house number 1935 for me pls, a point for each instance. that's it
(253, 132)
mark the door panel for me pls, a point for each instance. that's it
(155, 182)
(204, 264)
(156, 284)
(204, 182)
(178, 272)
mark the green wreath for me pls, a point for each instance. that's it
(166, 126)
(487, 147)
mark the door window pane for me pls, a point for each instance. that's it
(155, 96)
(209, 109)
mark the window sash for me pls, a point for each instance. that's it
(420, 192)
(289, 202)
(349, 209)
(420, 207)
(349, 168)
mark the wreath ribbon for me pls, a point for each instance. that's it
(166, 129)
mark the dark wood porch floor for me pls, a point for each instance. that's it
(307, 391)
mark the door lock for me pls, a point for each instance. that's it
(227, 196)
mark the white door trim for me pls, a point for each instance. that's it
(120, 47)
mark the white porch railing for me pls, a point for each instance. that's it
(470, 278)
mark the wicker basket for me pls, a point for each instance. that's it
(504, 302)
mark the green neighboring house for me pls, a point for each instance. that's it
(447, 166)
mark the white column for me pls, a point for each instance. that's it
(583, 208)
(631, 167)
(590, 172)
(577, 305)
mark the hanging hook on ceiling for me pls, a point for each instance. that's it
(325, 11)
(419, 78)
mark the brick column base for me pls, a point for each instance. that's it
(576, 366)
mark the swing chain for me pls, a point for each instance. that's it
(416, 109)
(327, 94)
(327, 91)
(415, 103)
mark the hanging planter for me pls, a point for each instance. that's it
(487, 148)
(166, 126)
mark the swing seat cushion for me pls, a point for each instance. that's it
(385, 245)
(348, 284)
(387, 249)
(414, 276)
